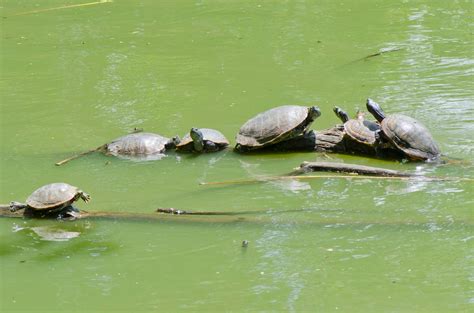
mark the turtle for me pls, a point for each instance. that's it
(359, 129)
(52, 199)
(275, 125)
(202, 140)
(405, 133)
(137, 145)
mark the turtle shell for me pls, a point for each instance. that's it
(208, 134)
(362, 130)
(273, 126)
(410, 136)
(52, 195)
(138, 144)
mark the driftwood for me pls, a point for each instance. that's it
(306, 167)
(355, 171)
(161, 214)
(232, 218)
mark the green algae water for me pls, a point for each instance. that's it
(75, 77)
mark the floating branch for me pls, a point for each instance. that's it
(76, 156)
(63, 7)
(306, 167)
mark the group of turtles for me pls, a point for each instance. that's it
(279, 126)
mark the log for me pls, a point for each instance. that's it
(168, 214)
(347, 219)
(306, 167)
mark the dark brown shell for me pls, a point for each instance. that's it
(410, 136)
(209, 134)
(138, 144)
(359, 132)
(272, 126)
(52, 195)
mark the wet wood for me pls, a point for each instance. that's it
(306, 167)
(161, 214)
(76, 156)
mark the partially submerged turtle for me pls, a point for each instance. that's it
(274, 126)
(359, 129)
(138, 145)
(203, 140)
(405, 133)
(53, 199)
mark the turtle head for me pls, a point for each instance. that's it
(314, 112)
(173, 142)
(375, 109)
(198, 139)
(341, 114)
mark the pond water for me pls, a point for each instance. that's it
(74, 78)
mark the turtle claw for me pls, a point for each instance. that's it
(15, 206)
(85, 196)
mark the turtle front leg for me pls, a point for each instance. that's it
(84, 196)
(209, 146)
(15, 206)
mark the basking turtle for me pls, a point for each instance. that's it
(405, 133)
(56, 198)
(359, 129)
(203, 140)
(137, 145)
(274, 126)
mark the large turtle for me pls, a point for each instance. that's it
(53, 199)
(405, 133)
(359, 129)
(202, 140)
(137, 145)
(274, 126)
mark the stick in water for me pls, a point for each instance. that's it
(276, 178)
(78, 156)
(63, 7)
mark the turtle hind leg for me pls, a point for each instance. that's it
(69, 213)
(16, 206)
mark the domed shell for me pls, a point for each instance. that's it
(209, 134)
(274, 125)
(52, 195)
(410, 136)
(138, 144)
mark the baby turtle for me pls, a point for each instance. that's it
(274, 126)
(53, 199)
(138, 145)
(405, 133)
(202, 140)
(359, 129)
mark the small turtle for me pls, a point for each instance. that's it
(274, 126)
(359, 129)
(56, 198)
(137, 145)
(405, 133)
(203, 140)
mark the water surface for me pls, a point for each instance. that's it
(74, 78)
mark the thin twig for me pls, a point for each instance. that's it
(62, 7)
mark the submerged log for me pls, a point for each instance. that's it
(306, 167)
(161, 214)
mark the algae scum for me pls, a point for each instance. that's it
(76, 77)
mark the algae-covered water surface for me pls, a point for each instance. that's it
(75, 75)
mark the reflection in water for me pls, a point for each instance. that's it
(49, 233)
